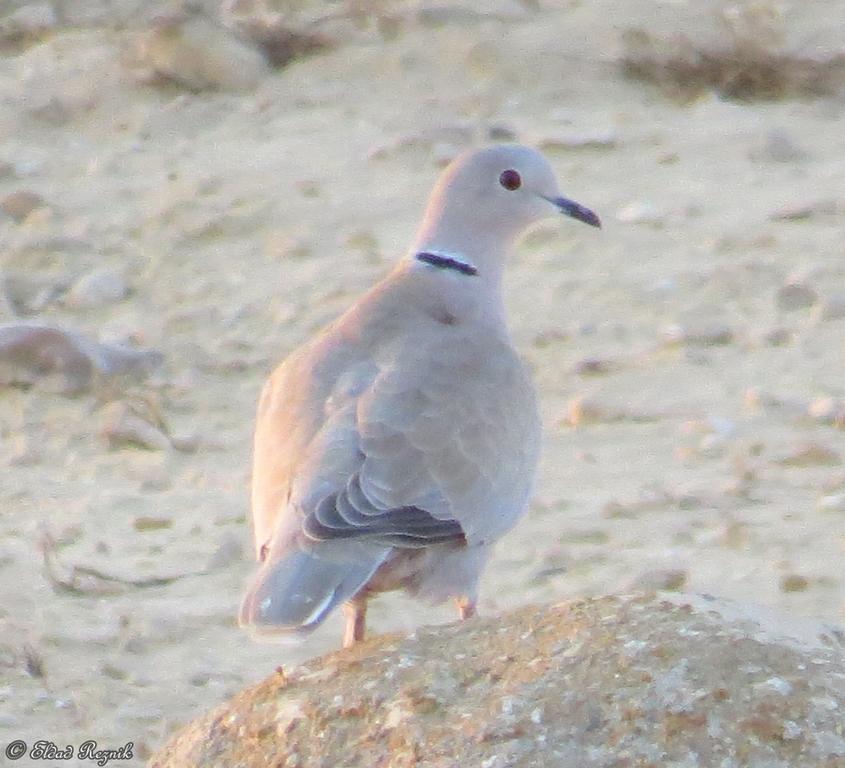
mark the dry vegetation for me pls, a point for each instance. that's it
(746, 63)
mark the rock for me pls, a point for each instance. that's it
(548, 337)
(502, 132)
(595, 366)
(97, 288)
(583, 410)
(229, 550)
(198, 55)
(52, 111)
(804, 209)
(575, 684)
(663, 579)
(779, 147)
(123, 427)
(777, 337)
(810, 455)
(148, 523)
(834, 502)
(29, 22)
(20, 204)
(186, 442)
(793, 296)
(28, 295)
(792, 582)
(827, 410)
(706, 334)
(712, 446)
(261, 23)
(640, 212)
(32, 353)
(282, 244)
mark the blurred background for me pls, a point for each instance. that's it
(187, 192)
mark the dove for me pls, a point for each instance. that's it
(394, 448)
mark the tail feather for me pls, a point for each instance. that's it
(296, 592)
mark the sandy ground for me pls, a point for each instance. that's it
(688, 357)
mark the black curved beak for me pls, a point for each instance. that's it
(576, 211)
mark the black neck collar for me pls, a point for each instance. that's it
(445, 262)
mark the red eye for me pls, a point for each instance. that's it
(510, 179)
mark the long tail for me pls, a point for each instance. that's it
(296, 591)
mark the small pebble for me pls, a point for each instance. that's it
(122, 428)
(834, 502)
(582, 410)
(705, 335)
(640, 212)
(794, 296)
(229, 550)
(712, 446)
(778, 337)
(502, 132)
(662, 579)
(779, 147)
(147, 523)
(97, 288)
(593, 366)
(20, 204)
(794, 583)
(827, 410)
(30, 353)
(811, 455)
(199, 679)
(187, 442)
(778, 685)
(800, 211)
(281, 244)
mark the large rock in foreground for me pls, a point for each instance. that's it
(638, 681)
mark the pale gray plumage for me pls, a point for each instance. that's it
(393, 449)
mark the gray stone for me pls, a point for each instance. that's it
(97, 288)
(197, 54)
(663, 678)
(793, 296)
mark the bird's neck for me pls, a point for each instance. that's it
(466, 283)
(478, 259)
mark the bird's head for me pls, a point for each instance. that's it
(486, 198)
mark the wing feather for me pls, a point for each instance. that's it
(429, 441)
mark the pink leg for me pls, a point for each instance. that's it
(466, 608)
(356, 621)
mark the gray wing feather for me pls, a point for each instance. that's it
(349, 514)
